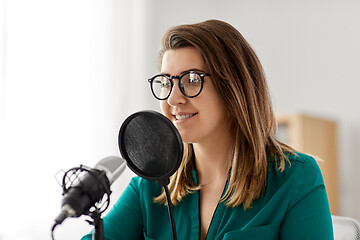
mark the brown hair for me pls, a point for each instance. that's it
(239, 79)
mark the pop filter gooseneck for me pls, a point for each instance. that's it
(153, 149)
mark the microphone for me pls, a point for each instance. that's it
(112, 166)
(84, 187)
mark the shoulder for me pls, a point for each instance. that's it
(144, 187)
(300, 177)
(298, 163)
(302, 159)
(306, 166)
(301, 173)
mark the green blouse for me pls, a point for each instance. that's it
(293, 206)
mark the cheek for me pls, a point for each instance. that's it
(164, 108)
(218, 109)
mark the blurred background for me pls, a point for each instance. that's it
(72, 70)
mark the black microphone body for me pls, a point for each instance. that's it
(91, 188)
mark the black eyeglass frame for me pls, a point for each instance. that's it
(170, 78)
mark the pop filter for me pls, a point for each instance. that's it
(153, 149)
(151, 145)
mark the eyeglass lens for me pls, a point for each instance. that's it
(189, 84)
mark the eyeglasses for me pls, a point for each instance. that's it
(190, 84)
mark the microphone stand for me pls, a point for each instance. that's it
(163, 183)
(97, 222)
(171, 213)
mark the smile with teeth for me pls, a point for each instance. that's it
(180, 117)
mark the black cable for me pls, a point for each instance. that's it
(62, 216)
(52, 231)
(170, 209)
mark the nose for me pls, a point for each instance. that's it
(176, 97)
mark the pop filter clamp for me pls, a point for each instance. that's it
(153, 149)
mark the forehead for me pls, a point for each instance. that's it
(177, 61)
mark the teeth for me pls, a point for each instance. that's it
(179, 117)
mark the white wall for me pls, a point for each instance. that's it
(72, 70)
(62, 104)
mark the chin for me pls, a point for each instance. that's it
(188, 139)
(185, 138)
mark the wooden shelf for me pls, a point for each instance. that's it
(317, 137)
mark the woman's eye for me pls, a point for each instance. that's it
(162, 83)
(165, 84)
(194, 80)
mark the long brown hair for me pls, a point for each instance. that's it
(239, 80)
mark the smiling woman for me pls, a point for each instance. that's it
(236, 180)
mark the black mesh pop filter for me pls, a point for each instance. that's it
(151, 145)
(153, 149)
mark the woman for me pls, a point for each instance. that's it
(236, 181)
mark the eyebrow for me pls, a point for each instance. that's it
(188, 70)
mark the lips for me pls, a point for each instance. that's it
(180, 117)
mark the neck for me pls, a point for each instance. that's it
(213, 160)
